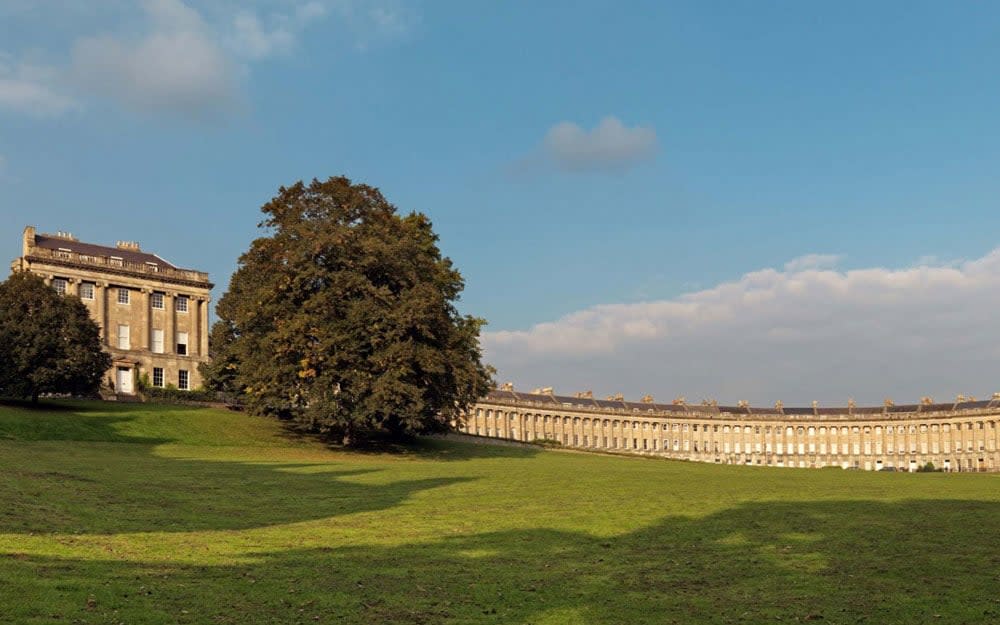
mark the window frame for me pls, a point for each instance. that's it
(183, 380)
(124, 296)
(155, 297)
(161, 342)
(182, 346)
(63, 285)
(89, 286)
(158, 370)
(127, 336)
(179, 300)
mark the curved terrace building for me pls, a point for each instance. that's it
(958, 436)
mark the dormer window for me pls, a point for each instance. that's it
(63, 252)
(152, 267)
(116, 261)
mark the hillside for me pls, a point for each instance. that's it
(162, 514)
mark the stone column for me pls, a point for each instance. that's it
(146, 342)
(101, 307)
(169, 342)
(205, 330)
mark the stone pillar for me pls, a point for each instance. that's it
(169, 341)
(205, 330)
(146, 342)
(101, 307)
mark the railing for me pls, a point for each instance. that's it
(108, 263)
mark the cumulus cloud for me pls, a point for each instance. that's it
(798, 333)
(176, 66)
(185, 59)
(31, 89)
(608, 146)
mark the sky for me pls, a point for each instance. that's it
(740, 200)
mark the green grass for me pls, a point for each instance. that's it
(155, 514)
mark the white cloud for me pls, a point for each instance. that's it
(813, 261)
(610, 145)
(31, 89)
(180, 58)
(795, 334)
(175, 67)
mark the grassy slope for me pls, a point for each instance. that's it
(152, 514)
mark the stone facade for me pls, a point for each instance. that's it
(958, 436)
(153, 316)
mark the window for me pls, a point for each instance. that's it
(156, 301)
(59, 284)
(64, 252)
(157, 341)
(123, 296)
(158, 376)
(86, 290)
(182, 380)
(123, 337)
(152, 267)
(116, 261)
(182, 343)
(181, 303)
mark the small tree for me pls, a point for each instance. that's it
(50, 343)
(343, 318)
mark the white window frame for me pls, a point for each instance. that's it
(156, 298)
(181, 303)
(157, 341)
(183, 380)
(61, 285)
(158, 373)
(183, 339)
(86, 290)
(124, 336)
(123, 296)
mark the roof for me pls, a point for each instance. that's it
(637, 407)
(90, 249)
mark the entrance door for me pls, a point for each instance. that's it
(124, 380)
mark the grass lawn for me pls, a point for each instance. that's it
(160, 514)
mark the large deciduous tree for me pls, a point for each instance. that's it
(343, 318)
(49, 342)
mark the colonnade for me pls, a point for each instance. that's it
(955, 441)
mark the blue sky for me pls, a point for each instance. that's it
(572, 155)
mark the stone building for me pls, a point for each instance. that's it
(955, 436)
(153, 315)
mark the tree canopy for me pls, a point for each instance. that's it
(343, 318)
(50, 344)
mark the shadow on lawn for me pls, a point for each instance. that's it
(834, 562)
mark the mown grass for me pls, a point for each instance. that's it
(155, 514)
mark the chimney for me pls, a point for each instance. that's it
(28, 240)
(132, 246)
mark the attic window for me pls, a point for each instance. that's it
(116, 261)
(63, 252)
(152, 266)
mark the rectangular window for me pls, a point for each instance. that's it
(116, 261)
(123, 337)
(59, 284)
(181, 303)
(86, 290)
(123, 296)
(158, 376)
(182, 343)
(182, 379)
(156, 301)
(157, 341)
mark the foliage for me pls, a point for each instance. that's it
(546, 442)
(219, 373)
(172, 394)
(927, 468)
(343, 319)
(51, 345)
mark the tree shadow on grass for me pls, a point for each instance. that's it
(834, 562)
